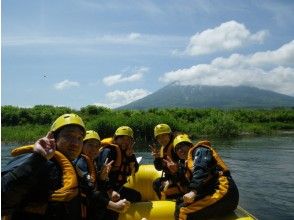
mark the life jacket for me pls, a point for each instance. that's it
(220, 165)
(69, 190)
(108, 143)
(84, 196)
(123, 170)
(168, 151)
(91, 168)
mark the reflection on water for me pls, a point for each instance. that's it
(262, 167)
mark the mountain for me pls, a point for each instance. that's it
(200, 96)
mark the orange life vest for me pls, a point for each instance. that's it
(167, 151)
(69, 188)
(119, 166)
(91, 168)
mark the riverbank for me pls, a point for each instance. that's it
(27, 134)
(26, 124)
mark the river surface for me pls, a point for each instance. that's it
(262, 167)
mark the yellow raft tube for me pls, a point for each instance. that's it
(152, 209)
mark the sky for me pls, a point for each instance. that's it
(109, 53)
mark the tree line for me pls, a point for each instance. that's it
(24, 124)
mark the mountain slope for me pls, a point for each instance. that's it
(211, 96)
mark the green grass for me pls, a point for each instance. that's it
(27, 125)
(23, 134)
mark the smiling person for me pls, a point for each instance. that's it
(118, 149)
(93, 199)
(41, 182)
(86, 171)
(210, 189)
(85, 162)
(165, 160)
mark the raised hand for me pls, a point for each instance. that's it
(154, 151)
(113, 195)
(189, 197)
(105, 169)
(120, 206)
(46, 146)
(172, 166)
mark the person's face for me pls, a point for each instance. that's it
(91, 148)
(182, 150)
(163, 139)
(124, 141)
(69, 141)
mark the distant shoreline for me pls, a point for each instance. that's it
(242, 135)
(24, 125)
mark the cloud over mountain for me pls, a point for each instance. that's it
(271, 70)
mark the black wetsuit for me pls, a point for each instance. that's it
(117, 178)
(26, 184)
(206, 180)
(92, 198)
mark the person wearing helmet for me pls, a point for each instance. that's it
(118, 149)
(91, 198)
(210, 189)
(41, 182)
(165, 160)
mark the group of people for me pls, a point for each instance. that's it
(194, 175)
(72, 174)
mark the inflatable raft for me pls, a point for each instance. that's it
(152, 209)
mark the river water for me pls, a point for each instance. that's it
(262, 167)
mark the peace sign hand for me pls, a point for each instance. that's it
(172, 166)
(154, 151)
(46, 146)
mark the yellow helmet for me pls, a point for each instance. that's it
(92, 135)
(68, 119)
(124, 130)
(161, 129)
(180, 139)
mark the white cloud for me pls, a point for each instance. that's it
(107, 105)
(228, 36)
(124, 39)
(112, 39)
(118, 78)
(271, 70)
(124, 97)
(134, 36)
(119, 98)
(65, 84)
(119, 39)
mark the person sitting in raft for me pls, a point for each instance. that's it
(41, 182)
(93, 199)
(211, 191)
(120, 150)
(165, 159)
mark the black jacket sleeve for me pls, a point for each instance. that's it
(158, 163)
(100, 199)
(132, 159)
(16, 182)
(202, 163)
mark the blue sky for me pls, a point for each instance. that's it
(81, 52)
